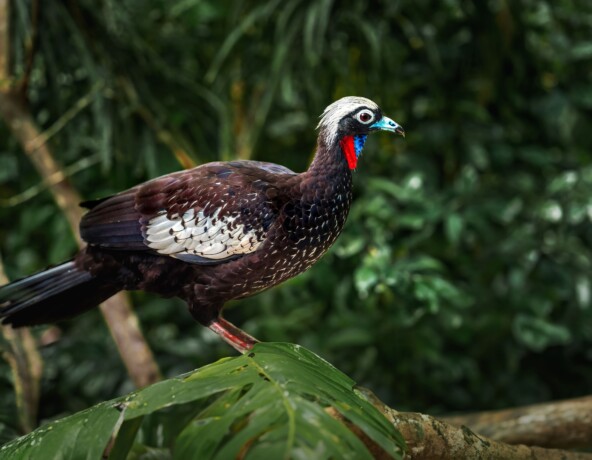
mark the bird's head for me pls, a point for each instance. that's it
(348, 121)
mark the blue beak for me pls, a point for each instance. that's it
(386, 124)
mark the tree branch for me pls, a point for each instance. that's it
(27, 367)
(25, 362)
(4, 43)
(118, 314)
(429, 438)
(21, 351)
(561, 424)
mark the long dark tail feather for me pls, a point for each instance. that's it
(54, 294)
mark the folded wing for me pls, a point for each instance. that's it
(207, 215)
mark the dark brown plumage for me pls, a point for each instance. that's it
(217, 232)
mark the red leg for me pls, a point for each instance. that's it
(235, 337)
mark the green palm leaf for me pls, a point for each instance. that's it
(270, 403)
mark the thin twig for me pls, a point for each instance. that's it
(68, 116)
(162, 134)
(52, 180)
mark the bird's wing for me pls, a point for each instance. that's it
(207, 215)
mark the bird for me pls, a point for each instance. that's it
(208, 235)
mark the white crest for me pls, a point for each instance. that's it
(335, 112)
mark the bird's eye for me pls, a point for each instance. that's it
(365, 116)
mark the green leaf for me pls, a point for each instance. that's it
(582, 51)
(271, 402)
(125, 439)
(82, 436)
(538, 334)
(365, 278)
(454, 228)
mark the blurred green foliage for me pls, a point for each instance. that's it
(462, 280)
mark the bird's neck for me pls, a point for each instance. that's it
(329, 160)
(322, 197)
(328, 178)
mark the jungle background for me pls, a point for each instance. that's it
(462, 280)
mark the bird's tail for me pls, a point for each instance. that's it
(57, 293)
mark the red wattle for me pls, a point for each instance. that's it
(347, 145)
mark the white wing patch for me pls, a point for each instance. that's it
(194, 233)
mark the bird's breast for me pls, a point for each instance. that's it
(307, 228)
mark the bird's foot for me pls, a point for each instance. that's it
(234, 336)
